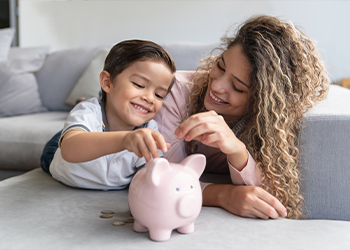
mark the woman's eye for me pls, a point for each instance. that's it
(220, 68)
(234, 87)
(159, 96)
(137, 85)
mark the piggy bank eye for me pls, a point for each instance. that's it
(177, 189)
(191, 187)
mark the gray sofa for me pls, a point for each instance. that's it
(40, 213)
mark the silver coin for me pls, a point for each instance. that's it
(118, 223)
(107, 212)
(105, 216)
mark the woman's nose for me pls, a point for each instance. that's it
(219, 84)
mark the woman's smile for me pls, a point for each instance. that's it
(215, 99)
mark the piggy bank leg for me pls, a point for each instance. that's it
(160, 234)
(186, 229)
(139, 228)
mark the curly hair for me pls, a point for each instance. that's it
(287, 78)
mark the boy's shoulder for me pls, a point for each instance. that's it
(90, 104)
(152, 124)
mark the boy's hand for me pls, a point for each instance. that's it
(145, 142)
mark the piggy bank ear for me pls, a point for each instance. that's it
(196, 162)
(155, 169)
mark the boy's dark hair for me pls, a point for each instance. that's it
(125, 53)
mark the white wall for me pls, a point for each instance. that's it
(64, 24)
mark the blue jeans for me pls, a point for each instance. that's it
(49, 151)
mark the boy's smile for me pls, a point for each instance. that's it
(137, 94)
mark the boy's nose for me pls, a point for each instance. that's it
(148, 97)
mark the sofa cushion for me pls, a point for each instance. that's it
(187, 56)
(18, 86)
(39, 212)
(61, 71)
(6, 37)
(22, 138)
(324, 157)
(88, 84)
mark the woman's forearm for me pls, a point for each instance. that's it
(239, 158)
(245, 201)
(213, 195)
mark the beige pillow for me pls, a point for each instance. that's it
(88, 84)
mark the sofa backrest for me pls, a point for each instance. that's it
(62, 69)
(59, 74)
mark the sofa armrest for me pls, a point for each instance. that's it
(324, 157)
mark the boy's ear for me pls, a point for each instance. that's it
(105, 81)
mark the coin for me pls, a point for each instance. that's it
(105, 216)
(107, 212)
(130, 220)
(118, 223)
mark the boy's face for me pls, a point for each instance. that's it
(137, 94)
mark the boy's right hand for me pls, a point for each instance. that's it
(145, 142)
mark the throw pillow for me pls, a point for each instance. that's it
(18, 86)
(6, 37)
(88, 84)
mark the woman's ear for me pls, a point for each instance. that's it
(105, 81)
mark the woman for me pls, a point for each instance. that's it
(243, 110)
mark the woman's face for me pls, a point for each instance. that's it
(229, 87)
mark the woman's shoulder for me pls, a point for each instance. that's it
(183, 83)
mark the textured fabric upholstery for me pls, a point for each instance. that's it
(60, 73)
(22, 138)
(324, 157)
(40, 213)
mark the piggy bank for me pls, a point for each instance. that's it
(164, 196)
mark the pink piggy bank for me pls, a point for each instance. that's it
(164, 196)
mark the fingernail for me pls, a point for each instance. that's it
(187, 138)
(164, 150)
(179, 134)
(285, 214)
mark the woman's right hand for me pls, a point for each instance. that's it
(244, 201)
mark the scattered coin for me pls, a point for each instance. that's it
(107, 212)
(118, 223)
(130, 220)
(105, 216)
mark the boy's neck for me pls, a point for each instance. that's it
(115, 124)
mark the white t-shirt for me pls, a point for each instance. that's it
(113, 171)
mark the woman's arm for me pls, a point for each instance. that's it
(245, 201)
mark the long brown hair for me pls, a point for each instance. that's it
(287, 77)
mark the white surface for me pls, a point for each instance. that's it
(67, 24)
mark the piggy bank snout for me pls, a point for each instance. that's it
(188, 205)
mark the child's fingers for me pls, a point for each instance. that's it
(144, 151)
(151, 146)
(160, 141)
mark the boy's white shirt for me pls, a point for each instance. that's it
(114, 171)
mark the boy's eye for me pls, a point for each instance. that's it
(138, 85)
(159, 96)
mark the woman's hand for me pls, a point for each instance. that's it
(145, 142)
(244, 201)
(212, 130)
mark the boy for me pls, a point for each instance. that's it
(104, 142)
